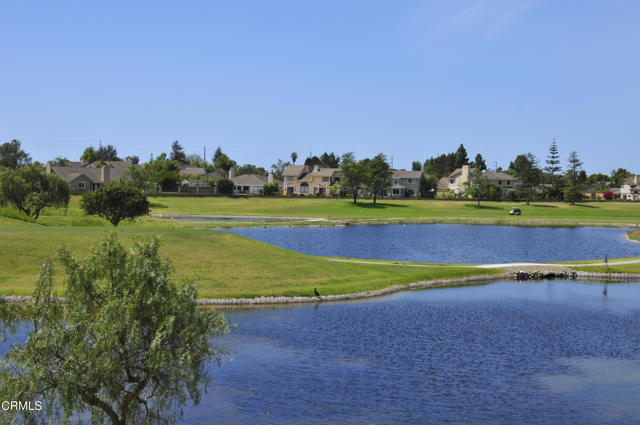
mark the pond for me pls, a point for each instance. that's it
(452, 243)
(556, 352)
(504, 353)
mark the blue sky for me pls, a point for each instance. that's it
(410, 79)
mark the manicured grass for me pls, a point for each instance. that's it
(596, 260)
(401, 209)
(224, 265)
(623, 268)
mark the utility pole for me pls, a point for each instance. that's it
(205, 156)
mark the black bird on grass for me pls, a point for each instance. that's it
(317, 293)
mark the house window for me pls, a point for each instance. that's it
(80, 185)
(395, 181)
(500, 182)
(289, 178)
(410, 180)
(508, 182)
(304, 187)
(325, 179)
(452, 181)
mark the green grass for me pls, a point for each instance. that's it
(596, 260)
(602, 212)
(622, 268)
(224, 265)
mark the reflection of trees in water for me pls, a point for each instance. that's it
(128, 347)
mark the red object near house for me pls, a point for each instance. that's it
(608, 195)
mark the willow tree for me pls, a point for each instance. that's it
(127, 347)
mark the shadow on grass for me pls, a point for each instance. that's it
(542, 206)
(157, 205)
(377, 205)
(482, 207)
(584, 206)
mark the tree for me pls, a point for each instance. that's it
(224, 186)
(461, 157)
(552, 169)
(217, 154)
(526, 169)
(107, 153)
(378, 175)
(278, 168)
(30, 189)
(270, 188)
(60, 162)
(618, 176)
(416, 166)
(163, 172)
(12, 156)
(224, 163)
(89, 155)
(478, 186)
(427, 184)
(129, 346)
(250, 169)
(353, 174)
(479, 162)
(116, 202)
(599, 181)
(572, 177)
(134, 159)
(294, 157)
(177, 153)
(326, 160)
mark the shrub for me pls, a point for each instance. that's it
(608, 195)
(116, 202)
(224, 186)
(270, 188)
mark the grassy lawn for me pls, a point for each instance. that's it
(400, 209)
(622, 268)
(224, 265)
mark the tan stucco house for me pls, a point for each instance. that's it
(301, 180)
(84, 177)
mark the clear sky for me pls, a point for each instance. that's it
(410, 79)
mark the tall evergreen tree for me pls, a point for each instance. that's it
(479, 162)
(177, 153)
(461, 156)
(573, 178)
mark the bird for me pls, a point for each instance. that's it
(317, 293)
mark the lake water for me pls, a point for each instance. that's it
(502, 353)
(451, 243)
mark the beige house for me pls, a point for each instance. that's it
(84, 177)
(300, 180)
(403, 183)
(455, 182)
(251, 184)
(197, 176)
(630, 189)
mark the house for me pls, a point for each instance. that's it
(301, 180)
(630, 189)
(403, 183)
(84, 177)
(251, 184)
(197, 176)
(456, 181)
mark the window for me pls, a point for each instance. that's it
(508, 182)
(325, 179)
(304, 187)
(500, 182)
(289, 178)
(410, 180)
(80, 185)
(452, 181)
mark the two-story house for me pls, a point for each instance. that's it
(301, 180)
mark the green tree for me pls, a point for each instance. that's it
(573, 178)
(478, 186)
(224, 186)
(135, 159)
(250, 169)
(552, 169)
(177, 153)
(618, 176)
(270, 188)
(354, 174)
(378, 175)
(600, 181)
(60, 162)
(461, 156)
(163, 172)
(107, 153)
(294, 157)
(416, 166)
(479, 162)
(30, 189)
(224, 163)
(129, 346)
(278, 168)
(89, 155)
(217, 154)
(526, 169)
(116, 202)
(428, 183)
(12, 156)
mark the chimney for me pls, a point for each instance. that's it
(270, 178)
(232, 172)
(85, 162)
(47, 168)
(465, 173)
(316, 168)
(105, 174)
(636, 179)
